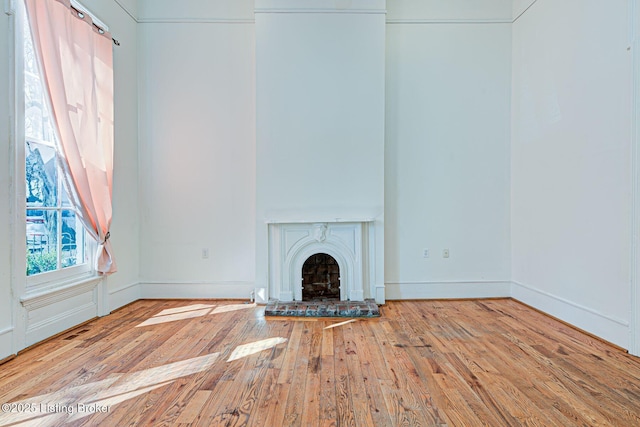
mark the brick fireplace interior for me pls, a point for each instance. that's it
(320, 278)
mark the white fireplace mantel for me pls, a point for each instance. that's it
(349, 241)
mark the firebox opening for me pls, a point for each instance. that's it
(320, 278)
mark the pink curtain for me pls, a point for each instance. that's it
(77, 68)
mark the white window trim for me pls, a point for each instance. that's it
(52, 281)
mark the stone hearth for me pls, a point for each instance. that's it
(328, 308)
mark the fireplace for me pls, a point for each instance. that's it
(320, 278)
(319, 175)
(334, 258)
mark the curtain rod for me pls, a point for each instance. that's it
(100, 29)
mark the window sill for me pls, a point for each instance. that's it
(64, 290)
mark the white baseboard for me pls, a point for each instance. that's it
(606, 326)
(123, 296)
(447, 290)
(196, 290)
(6, 343)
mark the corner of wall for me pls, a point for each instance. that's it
(520, 7)
(634, 333)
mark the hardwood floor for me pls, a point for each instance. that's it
(423, 363)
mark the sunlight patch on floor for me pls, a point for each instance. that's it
(255, 347)
(191, 307)
(192, 311)
(232, 307)
(157, 319)
(335, 325)
(73, 403)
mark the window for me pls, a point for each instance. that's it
(55, 237)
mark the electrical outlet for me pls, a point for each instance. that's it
(445, 253)
(425, 253)
(205, 253)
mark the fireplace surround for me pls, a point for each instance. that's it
(350, 243)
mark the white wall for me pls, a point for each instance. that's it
(571, 181)
(321, 83)
(197, 153)
(475, 194)
(6, 302)
(447, 159)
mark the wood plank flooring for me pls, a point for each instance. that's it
(222, 363)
